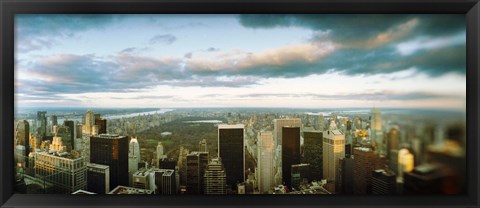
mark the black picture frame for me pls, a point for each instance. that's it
(8, 8)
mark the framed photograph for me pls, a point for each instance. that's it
(201, 103)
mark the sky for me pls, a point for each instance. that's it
(250, 60)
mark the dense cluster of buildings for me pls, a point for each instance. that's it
(334, 155)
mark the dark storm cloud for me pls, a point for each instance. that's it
(164, 39)
(369, 42)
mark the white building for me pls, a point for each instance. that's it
(265, 161)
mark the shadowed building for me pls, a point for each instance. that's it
(98, 178)
(196, 164)
(290, 152)
(111, 150)
(231, 150)
(364, 163)
(313, 153)
(215, 178)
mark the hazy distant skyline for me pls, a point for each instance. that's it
(294, 61)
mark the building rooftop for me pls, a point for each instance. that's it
(99, 166)
(129, 190)
(109, 136)
(83, 192)
(231, 126)
(363, 149)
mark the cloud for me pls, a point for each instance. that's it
(291, 60)
(371, 44)
(39, 31)
(374, 96)
(166, 39)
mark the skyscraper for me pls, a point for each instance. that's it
(215, 178)
(313, 152)
(290, 152)
(346, 175)
(111, 150)
(165, 181)
(377, 133)
(364, 163)
(202, 146)
(71, 129)
(22, 137)
(42, 124)
(196, 164)
(89, 122)
(133, 157)
(54, 119)
(98, 178)
(160, 151)
(333, 151)
(231, 149)
(278, 124)
(393, 141)
(102, 125)
(320, 123)
(265, 161)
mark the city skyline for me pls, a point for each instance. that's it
(297, 61)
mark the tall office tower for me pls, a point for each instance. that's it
(202, 146)
(67, 173)
(393, 161)
(71, 130)
(64, 133)
(54, 119)
(383, 182)
(133, 157)
(313, 152)
(102, 125)
(215, 178)
(393, 141)
(364, 163)
(346, 175)
(377, 133)
(165, 181)
(98, 178)
(22, 137)
(182, 165)
(89, 122)
(141, 179)
(300, 174)
(290, 152)
(79, 131)
(42, 124)
(278, 124)
(320, 123)
(333, 151)
(160, 152)
(265, 161)
(405, 162)
(231, 149)
(376, 120)
(111, 150)
(196, 164)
